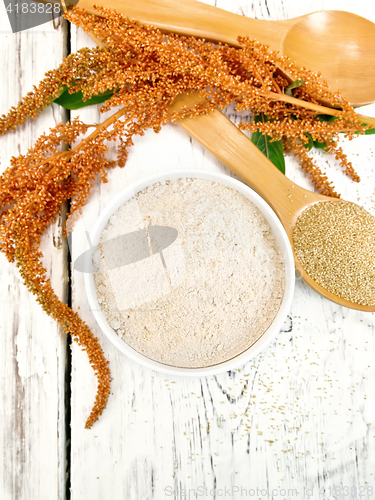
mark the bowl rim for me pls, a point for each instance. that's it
(282, 240)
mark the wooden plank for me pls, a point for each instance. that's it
(297, 417)
(33, 350)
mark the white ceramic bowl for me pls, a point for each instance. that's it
(282, 241)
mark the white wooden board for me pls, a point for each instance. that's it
(33, 348)
(299, 417)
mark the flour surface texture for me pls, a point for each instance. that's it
(210, 292)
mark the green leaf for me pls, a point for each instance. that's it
(293, 85)
(75, 100)
(329, 118)
(272, 149)
(321, 145)
(326, 118)
(309, 144)
(315, 144)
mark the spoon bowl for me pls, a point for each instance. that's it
(337, 44)
(241, 156)
(340, 54)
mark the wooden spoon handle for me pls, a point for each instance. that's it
(193, 18)
(224, 140)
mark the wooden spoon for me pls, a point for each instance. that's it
(223, 139)
(339, 45)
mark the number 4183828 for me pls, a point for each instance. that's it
(352, 492)
(33, 8)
